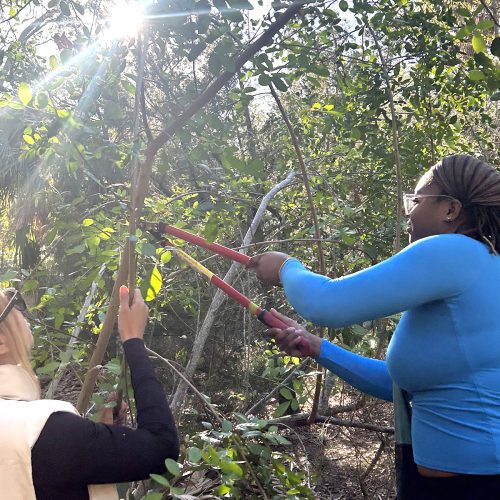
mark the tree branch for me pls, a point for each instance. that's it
(395, 140)
(219, 297)
(317, 231)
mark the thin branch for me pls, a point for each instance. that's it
(303, 419)
(395, 140)
(17, 13)
(490, 13)
(317, 231)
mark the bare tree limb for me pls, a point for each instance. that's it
(219, 297)
(302, 419)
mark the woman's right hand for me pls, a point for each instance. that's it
(295, 341)
(132, 318)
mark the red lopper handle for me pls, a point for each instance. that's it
(198, 240)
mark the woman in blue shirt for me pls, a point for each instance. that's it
(445, 352)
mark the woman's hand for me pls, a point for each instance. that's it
(132, 318)
(107, 414)
(267, 266)
(295, 341)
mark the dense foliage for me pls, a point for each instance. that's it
(360, 81)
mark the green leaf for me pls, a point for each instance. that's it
(161, 480)
(343, 5)
(49, 368)
(355, 134)
(147, 249)
(264, 80)
(495, 46)
(166, 257)
(194, 455)
(478, 44)
(87, 222)
(42, 100)
(173, 467)
(80, 8)
(211, 229)
(485, 24)
(65, 10)
(28, 139)
(24, 93)
(65, 55)
(29, 285)
(196, 51)
(463, 32)
(153, 496)
(223, 489)
(231, 468)
(279, 83)
(286, 393)
(227, 426)
(155, 282)
(463, 11)
(53, 62)
(318, 70)
(282, 408)
(476, 74)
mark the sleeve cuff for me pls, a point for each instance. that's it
(324, 355)
(288, 266)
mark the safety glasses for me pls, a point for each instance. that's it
(410, 200)
(15, 302)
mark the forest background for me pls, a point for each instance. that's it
(291, 126)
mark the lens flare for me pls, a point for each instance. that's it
(125, 19)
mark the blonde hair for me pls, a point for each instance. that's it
(16, 331)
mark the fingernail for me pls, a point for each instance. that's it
(123, 290)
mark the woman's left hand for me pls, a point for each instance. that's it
(106, 414)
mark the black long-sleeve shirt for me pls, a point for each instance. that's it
(73, 452)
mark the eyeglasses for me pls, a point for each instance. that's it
(410, 200)
(15, 302)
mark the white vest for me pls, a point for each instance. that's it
(22, 418)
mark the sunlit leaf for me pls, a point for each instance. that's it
(231, 468)
(155, 282)
(478, 44)
(24, 93)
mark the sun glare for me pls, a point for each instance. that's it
(125, 19)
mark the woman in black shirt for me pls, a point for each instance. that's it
(71, 453)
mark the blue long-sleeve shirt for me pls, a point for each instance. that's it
(445, 351)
